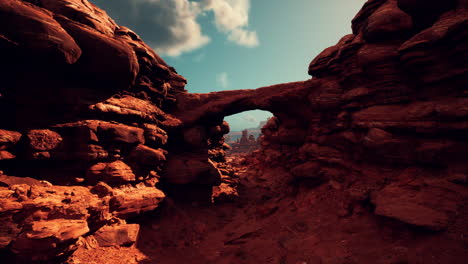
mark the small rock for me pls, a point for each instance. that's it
(5, 155)
(147, 156)
(102, 189)
(117, 235)
(114, 172)
(43, 140)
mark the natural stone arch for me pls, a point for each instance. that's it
(202, 118)
(206, 108)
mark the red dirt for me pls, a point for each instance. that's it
(282, 225)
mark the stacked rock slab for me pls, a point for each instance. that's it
(83, 125)
(384, 117)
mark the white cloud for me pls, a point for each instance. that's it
(232, 17)
(229, 14)
(171, 26)
(223, 80)
(244, 37)
(186, 34)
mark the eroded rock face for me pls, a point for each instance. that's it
(88, 59)
(53, 218)
(83, 136)
(389, 97)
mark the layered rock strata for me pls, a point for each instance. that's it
(83, 125)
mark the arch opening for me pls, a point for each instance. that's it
(246, 131)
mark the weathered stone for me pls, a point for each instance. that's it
(120, 133)
(155, 136)
(51, 41)
(225, 193)
(128, 202)
(117, 235)
(430, 204)
(115, 172)
(101, 189)
(388, 21)
(83, 12)
(8, 138)
(111, 62)
(191, 168)
(5, 155)
(43, 139)
(81, 138)
(128, 107)
(83, 90)
(41, 238)
(441, 48)
(11, 180)
(366, 11)
(147, 156)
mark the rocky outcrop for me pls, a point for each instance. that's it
(41, 221)
(246, 144)
(84, 126)
(389, 98)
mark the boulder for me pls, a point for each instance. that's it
(43, 139)
(8, 181)
(102, 189)
(437, 47)
(225, 193)
(116, 172)
(191, 168)
(117, 235)
(5, 155)
(112, 132)
(387, 22)
(8, 138)
(42, 39)
(431, 203)
(147, 156)
(83, 12)
(129, 108)
(127, 202)
(154, 136)
(94, 139)
(43, 239)
(108, 61)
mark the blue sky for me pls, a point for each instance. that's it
(237, 44)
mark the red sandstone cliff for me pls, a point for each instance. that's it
(83, 104)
